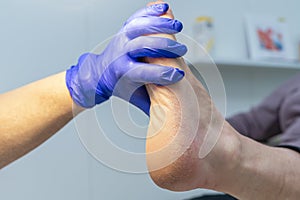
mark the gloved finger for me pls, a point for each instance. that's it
(140, 98)
(156, 74)
(155, 47)
(153, 10)
(86, 57)
(152, 25)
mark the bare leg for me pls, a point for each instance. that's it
(178, 126)
(236, 165)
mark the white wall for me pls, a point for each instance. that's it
(229, 20)
(42, 37)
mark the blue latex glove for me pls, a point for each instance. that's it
(117, 70)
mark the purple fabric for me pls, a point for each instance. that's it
(279, 113)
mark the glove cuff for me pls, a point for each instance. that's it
(85, 99)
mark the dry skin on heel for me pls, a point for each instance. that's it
(172, 146)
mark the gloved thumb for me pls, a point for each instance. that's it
(150, 73)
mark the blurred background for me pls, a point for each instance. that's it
(43, 37)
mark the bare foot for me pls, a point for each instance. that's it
(190, 146)
(187, 134)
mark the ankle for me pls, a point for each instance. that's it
(224, 160)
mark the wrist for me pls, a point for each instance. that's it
(82, 90)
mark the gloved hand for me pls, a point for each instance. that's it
(117, 70)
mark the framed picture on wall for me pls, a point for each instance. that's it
(268, 38)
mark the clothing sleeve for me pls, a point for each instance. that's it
(261, 121)
(289, 117)
(270, 117)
